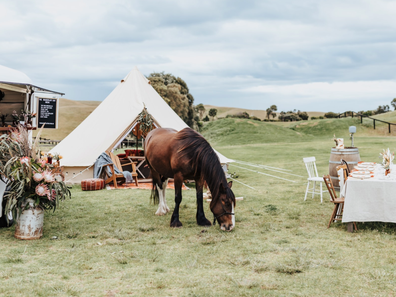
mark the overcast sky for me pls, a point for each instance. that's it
(308, 55)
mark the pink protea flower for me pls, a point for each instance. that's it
(38, 176)
(25, 160)
(42, 190)
(41, 162)
(48, 176)
(51, 196)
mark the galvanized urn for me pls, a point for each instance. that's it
(30, 223)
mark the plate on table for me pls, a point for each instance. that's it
(359, 174)
(365, 167)
(367, 163)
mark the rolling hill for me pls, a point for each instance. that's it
(71, 114)
(232, 130)
(222, 112)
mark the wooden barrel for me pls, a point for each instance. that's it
(349, 154)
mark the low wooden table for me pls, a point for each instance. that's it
(140, 160)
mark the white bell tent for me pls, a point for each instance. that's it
(106, 127)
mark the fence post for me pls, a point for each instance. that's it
(361, 119)
(374, 123)
(389, 128)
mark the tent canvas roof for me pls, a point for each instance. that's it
(113, 118)
(15, 78)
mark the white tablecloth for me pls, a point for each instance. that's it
(371, 200)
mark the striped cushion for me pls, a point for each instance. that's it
(92, 184)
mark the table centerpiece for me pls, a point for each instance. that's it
(387, 160)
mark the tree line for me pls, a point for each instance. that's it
(176, 93)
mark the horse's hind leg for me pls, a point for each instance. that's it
(175, 222)
(162, 207)
(201, 219)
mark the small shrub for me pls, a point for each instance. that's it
(331, 115)
(255, 118)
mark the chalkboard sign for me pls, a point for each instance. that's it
(47, 113)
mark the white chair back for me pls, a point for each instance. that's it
(311, 166)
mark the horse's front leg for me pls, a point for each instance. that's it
(201, 219)
(178, 180)
(162, 207)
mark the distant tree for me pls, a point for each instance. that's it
(175, 92)
(212, 112)
(393, 103)
(382, 109)
(206, 119)
(303, 115)
(201, 110)
(271, 111)
(281, 116)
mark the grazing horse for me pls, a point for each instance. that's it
(187, 155)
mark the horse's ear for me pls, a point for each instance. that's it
(222, 189)
(230, 184)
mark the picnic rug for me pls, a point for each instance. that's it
(145, 186)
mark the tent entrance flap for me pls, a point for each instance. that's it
(125, 133)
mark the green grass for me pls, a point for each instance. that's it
(110, 243)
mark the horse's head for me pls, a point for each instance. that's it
(223, 207)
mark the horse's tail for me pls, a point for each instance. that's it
(154, 193)
(154, 197)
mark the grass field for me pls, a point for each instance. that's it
(110, 243)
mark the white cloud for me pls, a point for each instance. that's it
(266, 50)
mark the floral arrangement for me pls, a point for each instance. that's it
(29, 176)
(146, 121)
(57, 157)
(15, 118)
(387, 158)
(339, 142)
(27, 117)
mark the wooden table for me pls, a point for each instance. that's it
(141, 161)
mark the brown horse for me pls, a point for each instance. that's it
(187, 155)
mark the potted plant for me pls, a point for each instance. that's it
(33, 187)
(28, 116)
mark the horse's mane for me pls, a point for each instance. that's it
(203, 160)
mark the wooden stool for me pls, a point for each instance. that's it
(92, 184)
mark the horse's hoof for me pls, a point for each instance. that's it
(176, 224)
(205, 223)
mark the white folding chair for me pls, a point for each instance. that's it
(313, 177)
